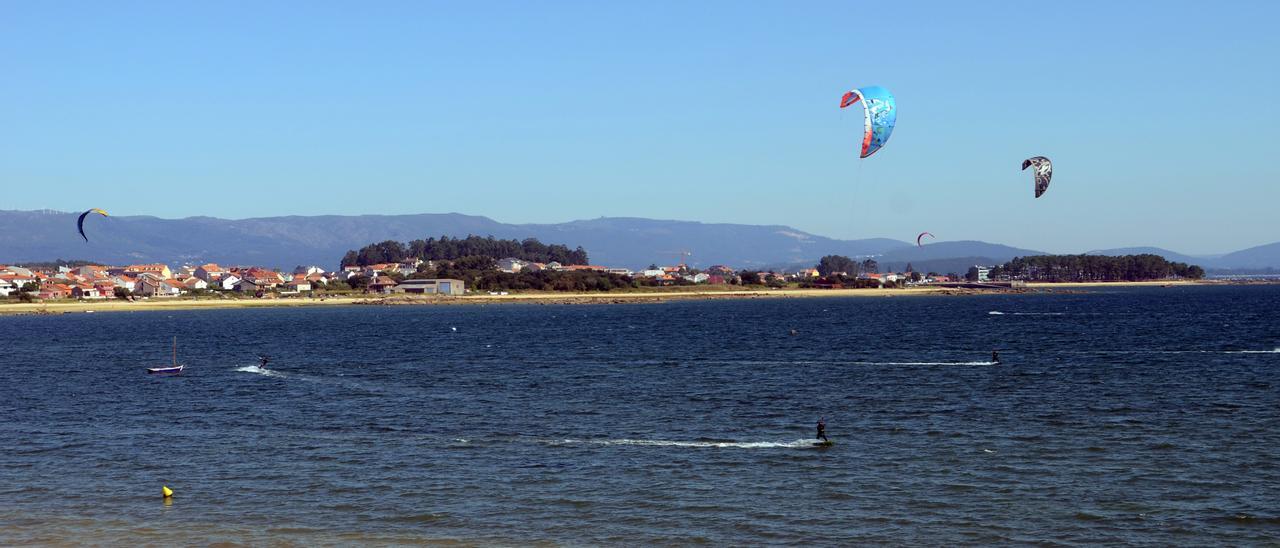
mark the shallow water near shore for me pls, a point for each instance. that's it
(1134, 415)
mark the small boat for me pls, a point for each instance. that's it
(174, 369)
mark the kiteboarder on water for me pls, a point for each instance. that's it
(995, 357)
(263, 361)
(822, 429)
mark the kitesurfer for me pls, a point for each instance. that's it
(822, 429)
(995, 357)
(263, 361)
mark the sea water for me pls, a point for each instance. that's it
(1145, 415)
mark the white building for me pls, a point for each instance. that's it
(125, 282)
(228, 282)
(305, 271)
(511, 265)
(441, 286)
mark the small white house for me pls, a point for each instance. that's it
(511, 265)
(228, 282)
(86, 292)
(127, 283)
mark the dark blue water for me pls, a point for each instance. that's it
(1147, 416)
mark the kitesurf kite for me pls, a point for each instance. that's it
(80, 222)
(880, 111)
(1044, 172)
(922, 234)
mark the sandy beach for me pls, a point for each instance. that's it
(116, 305)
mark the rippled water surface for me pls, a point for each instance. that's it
(1147, 416)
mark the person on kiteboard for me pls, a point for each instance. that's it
(263, 361)
(822, 429)
(995, 357)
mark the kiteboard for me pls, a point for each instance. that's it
(824, 443)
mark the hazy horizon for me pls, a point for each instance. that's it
(714, 112)
(907, 241)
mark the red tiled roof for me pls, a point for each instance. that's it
(145, 267)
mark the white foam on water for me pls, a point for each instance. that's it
(818, 363)
(999, 313)
(801, 443)
(925, 363)
(260, 371)
(1272, 351)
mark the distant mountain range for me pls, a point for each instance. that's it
(284, 242)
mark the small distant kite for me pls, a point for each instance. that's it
(880, 112)
(922, 235)
(80, 222)
(1044, 172)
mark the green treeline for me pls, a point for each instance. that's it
(1094, 268)
(497, 280)
(446, 248)
(481, 274)
(832, 264)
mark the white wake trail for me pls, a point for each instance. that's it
(260, 371)
(673, 443)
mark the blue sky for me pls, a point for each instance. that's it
(1160, 116)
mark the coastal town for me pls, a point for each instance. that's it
(471, 269)
(158, 280)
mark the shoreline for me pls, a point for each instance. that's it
(116, 305)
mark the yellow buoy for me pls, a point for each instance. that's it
(166, 490)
